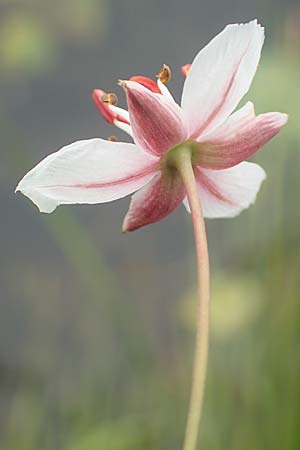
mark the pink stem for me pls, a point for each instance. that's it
(184, 166)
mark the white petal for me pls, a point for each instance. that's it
(90, 171)
(220, 76)
(164, 90)
(225, 193)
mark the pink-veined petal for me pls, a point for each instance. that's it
(155, 119)
(90, 171)
(225, 193)
(220, 76)
(240, 136)
(154, 201)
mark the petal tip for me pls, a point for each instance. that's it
(124, 228)
(20, 186)
(43, 203)
(253, 27)
(122, 83)
(285, 118)
(263, 174)
(278, 119)
(127, 225)
(254, 23)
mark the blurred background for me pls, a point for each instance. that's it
(97, 328)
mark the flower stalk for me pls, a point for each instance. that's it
(184, 166)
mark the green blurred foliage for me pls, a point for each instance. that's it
(25, 45)
(34, 34)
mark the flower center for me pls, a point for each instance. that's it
(170, 160)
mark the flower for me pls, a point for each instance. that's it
(220, 140)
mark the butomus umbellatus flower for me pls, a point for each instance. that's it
(193, 153)
(220, 140)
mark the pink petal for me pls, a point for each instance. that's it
(155, 119)
(225, 193)
(92, 171)
(220, 76)
(147, 83)
(239, 137)
(185, 69)
(154, 201)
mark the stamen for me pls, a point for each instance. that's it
(103, 101)
(185, 69)
(109, 98)
(103, 107)
(112, 139)
(165, 74)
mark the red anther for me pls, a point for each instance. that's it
(104, 108)
(147, 83)
(185, 69)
